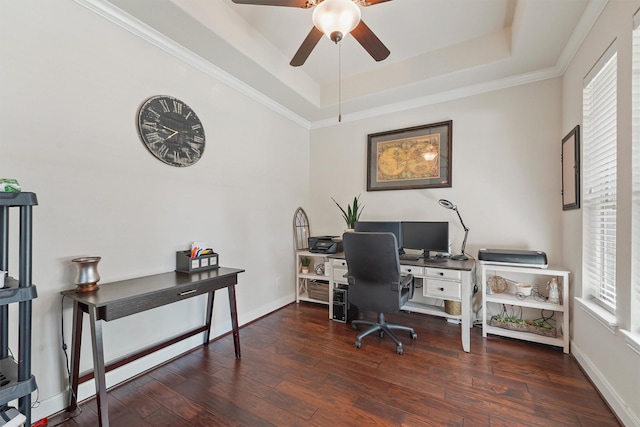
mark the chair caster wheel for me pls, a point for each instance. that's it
(399, 350)
(354, 327)
(358, 344)
(414, 336)
(381, 334)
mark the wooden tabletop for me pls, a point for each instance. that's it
(118, 299)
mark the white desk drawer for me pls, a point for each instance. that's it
(339, 276)
(339, 270)
(337, 263)
(441, 289)
(412, 269)
(443, 273)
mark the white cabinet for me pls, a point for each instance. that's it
(438, 284)
(442, 284)
(312, 285)
(505, 299)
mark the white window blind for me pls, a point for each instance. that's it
(599, 181)
(635, 198)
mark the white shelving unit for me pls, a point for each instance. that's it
(16, 379)
(531, 307)
(305, 280)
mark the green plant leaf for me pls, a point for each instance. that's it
(344, 214)
(352, 213)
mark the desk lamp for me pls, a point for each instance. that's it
(448, 205)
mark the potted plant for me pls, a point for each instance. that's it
(305, 261)
(352, 213)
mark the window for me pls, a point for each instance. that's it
(599, 181)
(635, 198)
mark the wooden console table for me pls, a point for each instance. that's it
(120, 299)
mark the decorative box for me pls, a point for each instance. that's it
(186, 264)
(318, 290)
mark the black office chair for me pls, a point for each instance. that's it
(375, 282)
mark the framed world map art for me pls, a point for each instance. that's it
(415, 157)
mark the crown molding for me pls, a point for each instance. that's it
(586, 23)
(451, 95)
(145, 32)
(117, 16)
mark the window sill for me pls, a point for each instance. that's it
(608, 320)
(632, 339)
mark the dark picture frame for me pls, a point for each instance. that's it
(571, 170)
(410, 158)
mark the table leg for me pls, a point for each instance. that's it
(207, 334)
(466, 332)
(466, 305)
(76, 343)
(98, 367)
(234, 319)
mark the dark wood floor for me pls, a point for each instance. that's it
(300, 369)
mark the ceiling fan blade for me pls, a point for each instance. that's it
(306, 47)
(370, 42)
(305, 4)
(371, 2)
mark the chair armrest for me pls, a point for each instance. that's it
(406, 282)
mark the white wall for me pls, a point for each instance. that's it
(506, 183)
(506, 170)
(609, 361)
(70, 87)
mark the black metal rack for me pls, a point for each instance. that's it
(16, 380)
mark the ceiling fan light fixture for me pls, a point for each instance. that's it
(336, 18)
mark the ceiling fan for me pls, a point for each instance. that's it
(336, 19)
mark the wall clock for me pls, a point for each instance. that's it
(171, 130)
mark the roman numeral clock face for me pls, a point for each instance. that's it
(171, 131)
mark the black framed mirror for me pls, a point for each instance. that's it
(571, 170)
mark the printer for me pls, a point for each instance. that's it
(325, 244)
(518, 258)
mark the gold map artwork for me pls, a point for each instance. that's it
(409, 159)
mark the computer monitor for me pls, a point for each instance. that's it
(429, 236)
(381, 227)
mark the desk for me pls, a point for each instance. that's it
(451, 280)
(120, 299)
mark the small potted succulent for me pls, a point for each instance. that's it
(305, 262)
(352, 213)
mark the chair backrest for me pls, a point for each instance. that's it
(373, 271)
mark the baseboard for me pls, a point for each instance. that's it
(617, 405)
